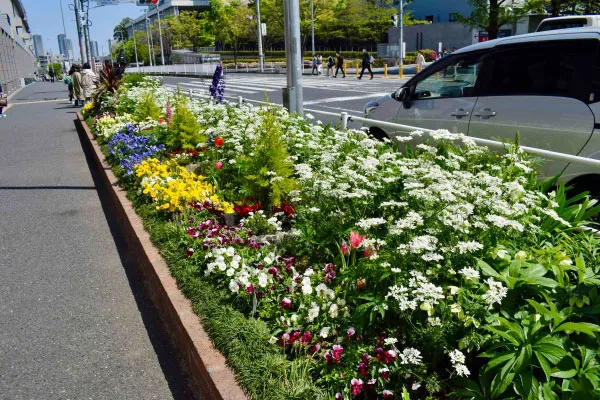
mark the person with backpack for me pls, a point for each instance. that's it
(340, 65)
(330, 64)
(88, 81)
(367, 60)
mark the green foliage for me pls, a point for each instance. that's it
(259, 224)
(268, 170)
(184, 131)
(57, 68)
(132, 78)
(147, 108)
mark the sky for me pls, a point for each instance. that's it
(45, 19)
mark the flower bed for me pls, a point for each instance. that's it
(327, 264)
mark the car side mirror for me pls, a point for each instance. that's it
(403, 95)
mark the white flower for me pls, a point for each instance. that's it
(411, 356)
(233, 286)
(462, 370)
(390, 341)
(325, 332)
(370, 222)
(468, 247)
(469, 273)
(272, 340)
(263, 279)
(313, 312)
(333, 310)
(456, 356)
(230, 272)
(434, 321)
(314, 209)
(495, 293)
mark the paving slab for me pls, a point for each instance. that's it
(73, 322)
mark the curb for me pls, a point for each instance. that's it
(210, 377)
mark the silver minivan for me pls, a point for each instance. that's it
(544, 85)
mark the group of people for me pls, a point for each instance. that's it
(338, 63)
(82, 84)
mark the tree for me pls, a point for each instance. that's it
(569, 7)
(490, 15)
(234, 25)
(127, 49)
(120, 32)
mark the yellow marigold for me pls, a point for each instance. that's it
(172, 186)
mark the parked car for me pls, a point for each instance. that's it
(544, 85)
(571, 21)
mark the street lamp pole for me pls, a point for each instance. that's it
(291, 10)
(148, 41)
(162, 51)
(401, 22)
(312, 24)
(80, 36)
(137, 63)
(261, 57)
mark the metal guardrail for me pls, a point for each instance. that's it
(345, 118)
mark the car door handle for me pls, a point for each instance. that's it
(459, 113)
(485, 113)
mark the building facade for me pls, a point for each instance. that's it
(17, 58)
(62, 45)
(38, 45)
(94, 48)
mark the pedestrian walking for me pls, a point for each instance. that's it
(420, 60)
(330, 64)
(3, 102)
(69, 81)
(78, 93)
(367, 60)
(88, 81)
(51, 73)
(319, 64)
(314, 65)
(340, 65)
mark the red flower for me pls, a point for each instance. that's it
(219, 141)
(363, 369)
(306, 338)
(345, 248)
(219, 165)
(189, 252)
(356, 239)
(371, 383)
(356, 385)
(286, 303)
(244, 209)
(337, 351)
(385, 373)
(286, 208)
(388, 394)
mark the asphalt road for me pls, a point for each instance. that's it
(320, 93)
(73, 321)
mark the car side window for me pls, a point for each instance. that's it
(542, 69)
(457, 79)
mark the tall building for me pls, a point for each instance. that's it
(62, 45)
(69, 45)
(94, 48)
(17, 59)
(38, 45)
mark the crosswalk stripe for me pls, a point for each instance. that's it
(346, 98)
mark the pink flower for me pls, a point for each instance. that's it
(189, 252)
(337, 351)
(250, 289)
(356, 239)
(306, 338)
(338, 396)
(351, 332)
(286, 303)
(295, 336)
(219, 165)
(314, 349)
(345, 249)
(285, 338)
(365, 358)
(385, 373)
(388, 394)
(367, 252)
(272, 271)
(389, 356)
(329, 357)
(356, 385)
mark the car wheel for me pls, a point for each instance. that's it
(587, 183)
(378, 133)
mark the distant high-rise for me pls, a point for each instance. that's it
(94, 48)
(38, 45)
(69, 45)
(62, 45)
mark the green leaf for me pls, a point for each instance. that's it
(487, 269)
(523, 358)
(501, 382)
(499, 360)
(540, 308)
(564, 374)
(545, 365)
(579, 327)
(502, 334)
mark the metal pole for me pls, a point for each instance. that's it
(261, 57)
(137, 63)
(112, 62)
(162, 52)
(293, 55)
(63, 21)
(312, 25)
(401, 50)
(82, 53)
(151, 42)
(86, 29)
(148, 41)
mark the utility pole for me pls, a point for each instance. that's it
(312, 24)
(148, 41)
(63, 19)
(293, 91)
(80, 35)
(401, 22)
(85, 5)
(151, 42)
(261, 57)
(162, 51)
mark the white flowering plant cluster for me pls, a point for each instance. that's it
(440, 270)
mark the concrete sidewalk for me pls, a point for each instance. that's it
(74, 323)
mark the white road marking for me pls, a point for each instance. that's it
(340, 99)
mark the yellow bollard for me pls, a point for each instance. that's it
(357, 70)
(345, 65)
(401, 69)
(437, 76)
(418, 68)
(385, 70)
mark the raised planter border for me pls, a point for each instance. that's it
(210, 377)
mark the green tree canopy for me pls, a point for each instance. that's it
(120, 32)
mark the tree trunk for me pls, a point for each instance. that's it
(492, 28)
(555, 8)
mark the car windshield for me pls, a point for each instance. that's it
(562, 24)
